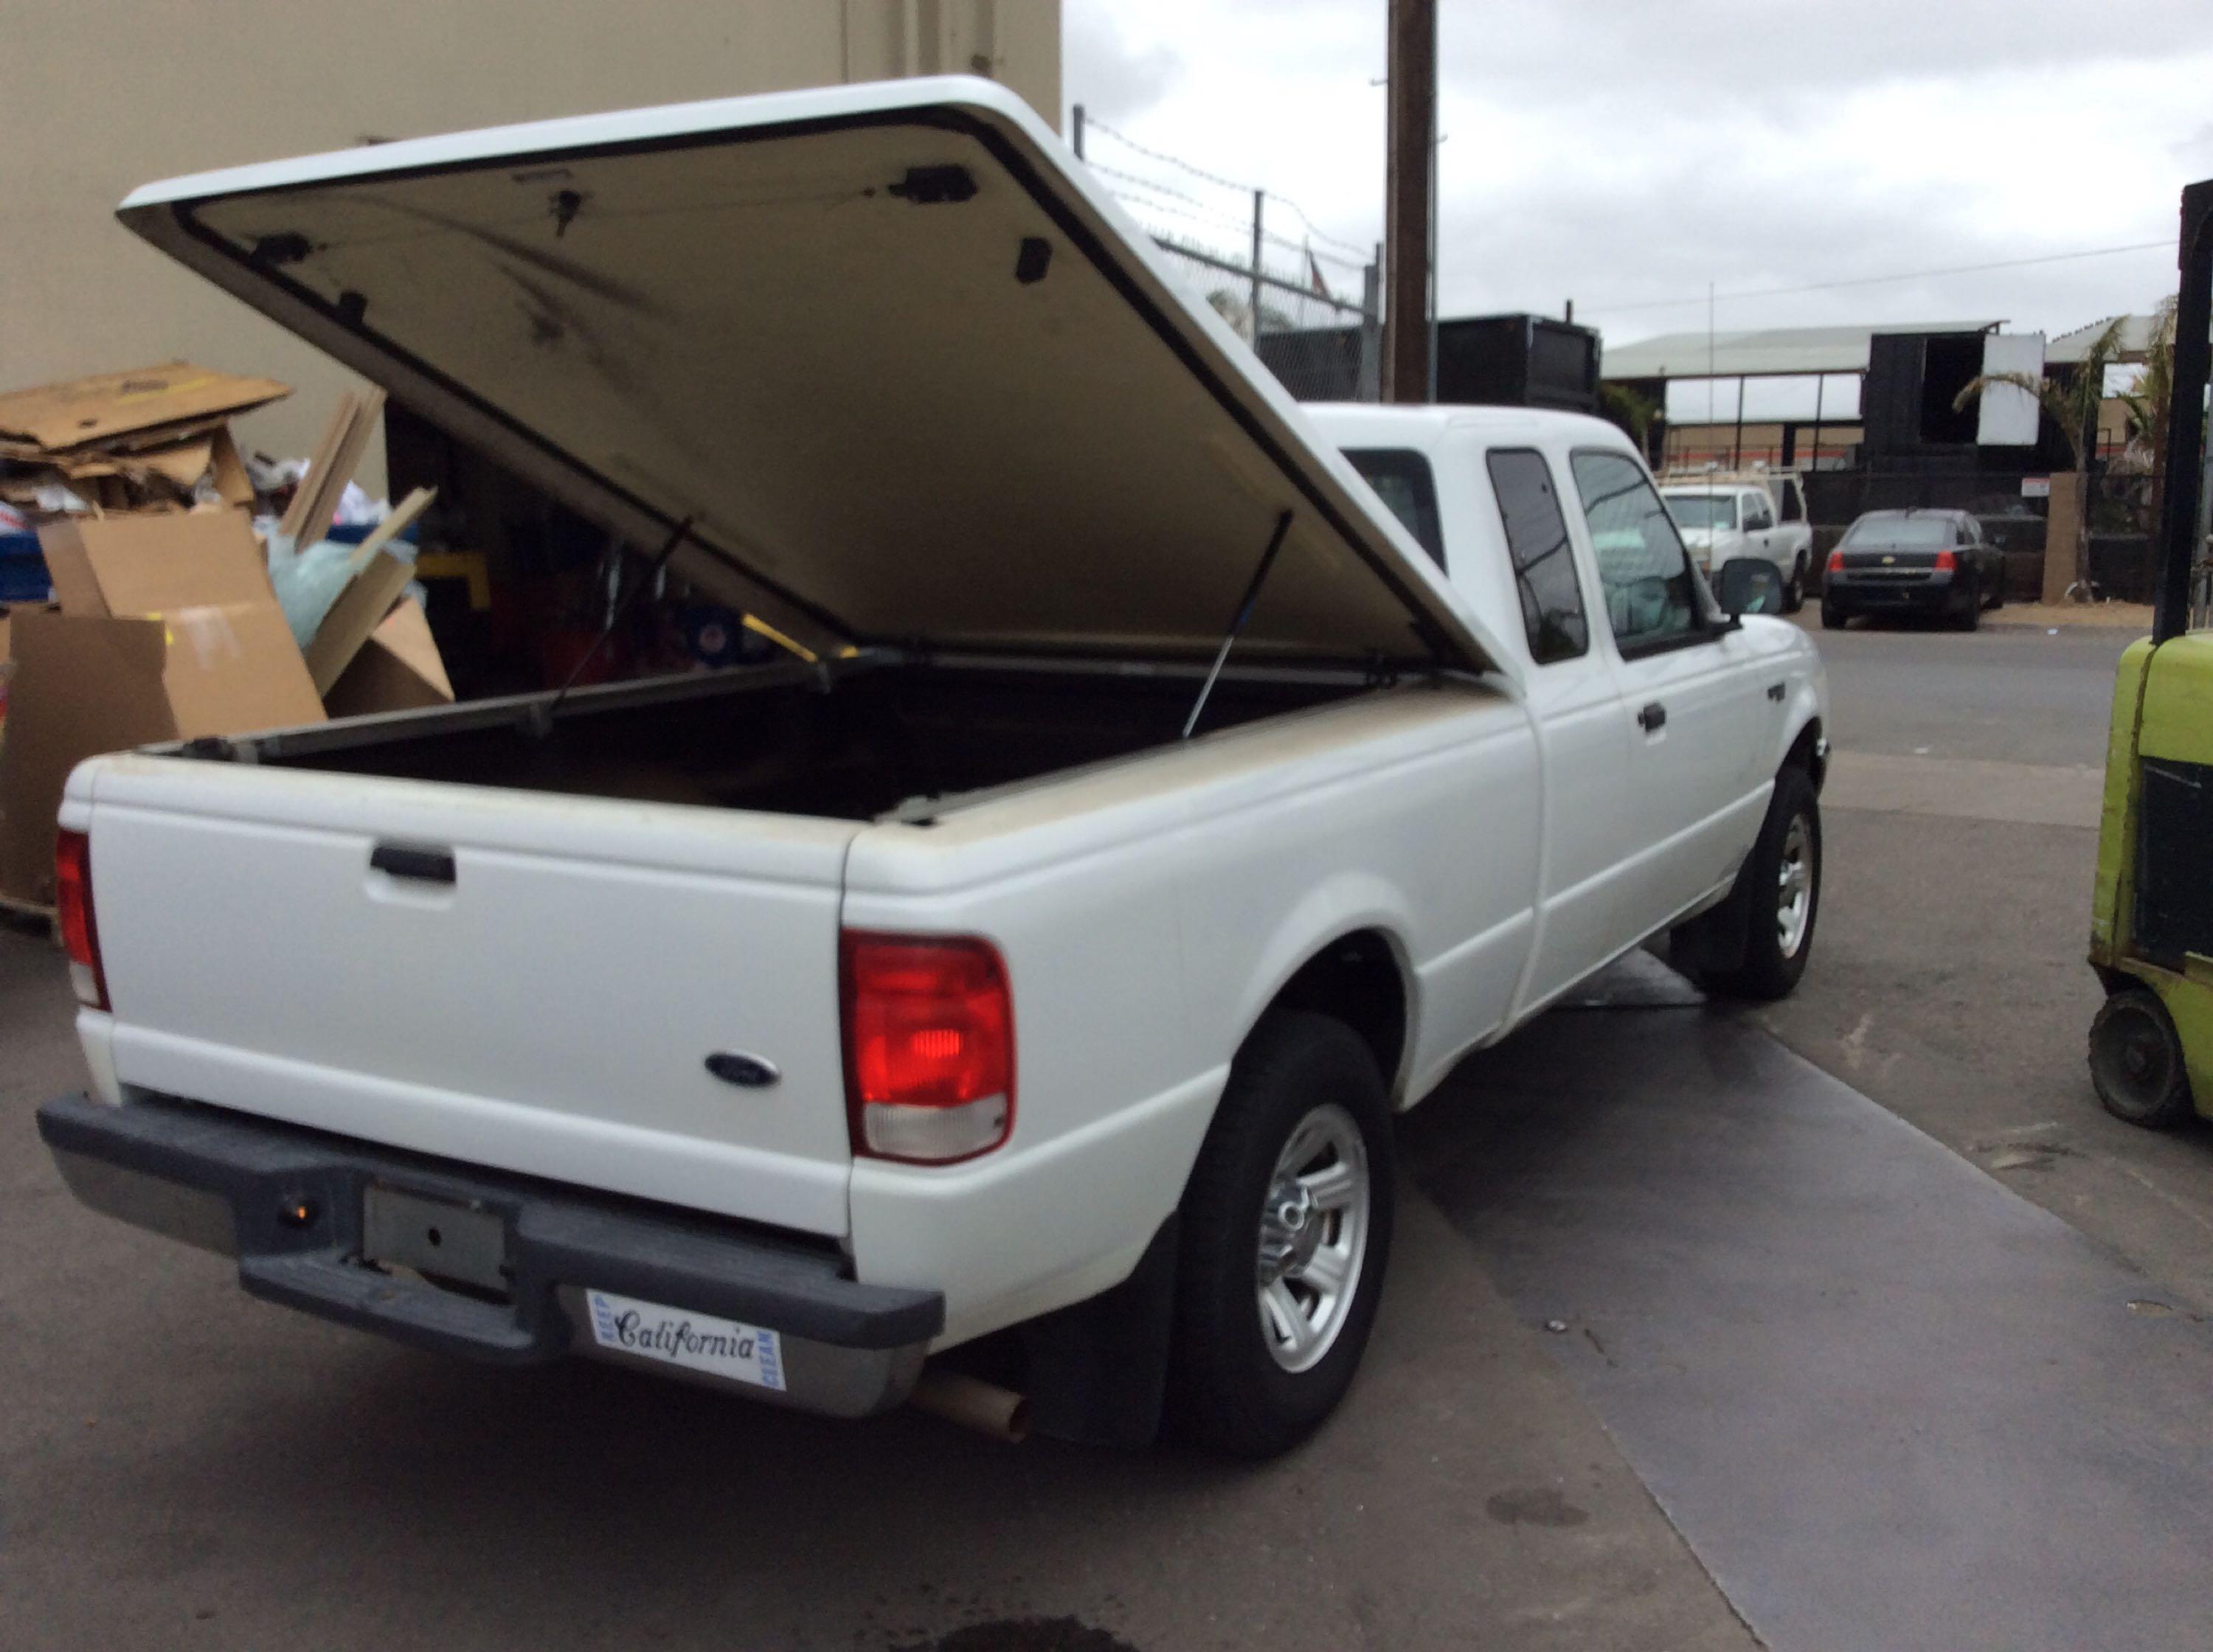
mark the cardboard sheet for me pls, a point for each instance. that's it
(59, 416)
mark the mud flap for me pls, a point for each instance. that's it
(1712, 944)
(1097, 1370)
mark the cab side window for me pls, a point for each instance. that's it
(1537, 542)
(1757, 513)
(1402, 477)
(1651, 595)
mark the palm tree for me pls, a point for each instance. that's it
(2150, 403)
(2072, 404)
(1634, 413)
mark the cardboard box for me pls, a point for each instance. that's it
(165, 629)
(122, 566)
(398, 669)
(359, 610)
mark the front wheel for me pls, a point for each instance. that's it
(1285, 1233)
(2136, 1060)
(1781, 881)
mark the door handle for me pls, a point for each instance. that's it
(410, 860)
(1652, 719)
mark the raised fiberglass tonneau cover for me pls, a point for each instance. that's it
(910, 375)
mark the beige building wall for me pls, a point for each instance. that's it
(104, 97)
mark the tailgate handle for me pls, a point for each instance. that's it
(412, 861)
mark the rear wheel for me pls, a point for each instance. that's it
(2136, 1060)
(1996, 597)
(1832, 617)
(1793, 593)
(1286, 1232)
(1970, 612)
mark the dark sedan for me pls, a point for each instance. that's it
(1922, 562)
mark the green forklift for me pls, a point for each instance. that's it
(2151, 924)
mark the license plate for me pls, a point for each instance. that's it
(676, 1335)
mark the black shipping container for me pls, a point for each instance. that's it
(1518, 361)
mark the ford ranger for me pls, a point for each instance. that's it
(1166, 785)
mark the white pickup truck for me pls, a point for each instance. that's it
(1014, 961)
(1762, 514)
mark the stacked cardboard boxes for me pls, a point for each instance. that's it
(163, 622)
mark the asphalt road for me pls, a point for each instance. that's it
(1950, 981)
(182, 1466)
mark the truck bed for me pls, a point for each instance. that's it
(444, 932)
(851, 746)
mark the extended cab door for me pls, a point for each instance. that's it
(1576, 703)
(1689, 700)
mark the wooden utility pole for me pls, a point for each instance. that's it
(1410, 180)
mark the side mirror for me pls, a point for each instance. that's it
(1749, 585)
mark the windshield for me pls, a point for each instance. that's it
(1702, 509)
(1900, 533)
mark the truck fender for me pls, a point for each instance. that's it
(1330, 912)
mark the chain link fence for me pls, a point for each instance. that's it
(1308, 302)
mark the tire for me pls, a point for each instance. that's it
(1832, 617)
(2136, 1062)
(1971, 616)
(1237, 1384)
(1998, 592)
(1777, 944)
(1794, 592)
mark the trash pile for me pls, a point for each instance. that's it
(156, 585)
(155, 439)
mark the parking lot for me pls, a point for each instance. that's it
(1853, 1321)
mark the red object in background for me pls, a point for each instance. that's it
(561, 649)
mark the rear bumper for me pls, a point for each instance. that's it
(288, 1203)
(1937, 594)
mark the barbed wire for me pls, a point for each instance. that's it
(1199, 213)
(1094, 125)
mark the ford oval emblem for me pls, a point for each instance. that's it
(734, 1067)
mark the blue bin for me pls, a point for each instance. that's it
(23, 570)
(356, 535)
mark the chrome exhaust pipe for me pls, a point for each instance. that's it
(973, 1404)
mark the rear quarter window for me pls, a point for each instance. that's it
(1403, 479)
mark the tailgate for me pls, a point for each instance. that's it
(551, 1010)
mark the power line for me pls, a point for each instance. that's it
(1093, 123)
(1876, 281)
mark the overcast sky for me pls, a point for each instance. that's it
(1626, 153)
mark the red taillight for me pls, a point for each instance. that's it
(1835, 562)
(929, 1047)
(73, 910)
(1945, 563)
